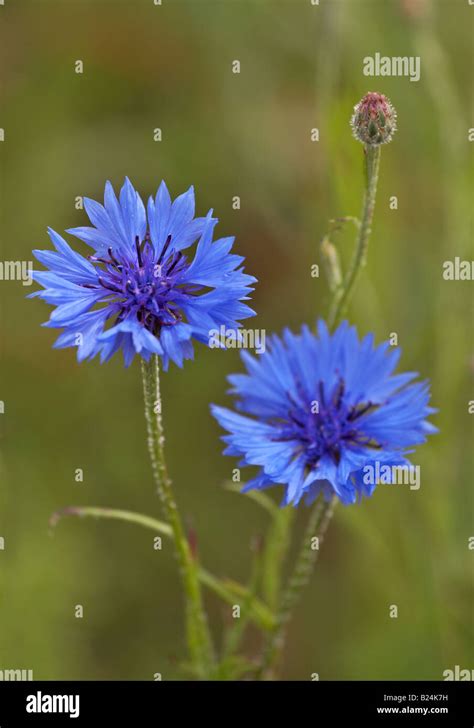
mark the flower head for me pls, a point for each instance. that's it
(139, 291)
(374, 120)
(318, 409)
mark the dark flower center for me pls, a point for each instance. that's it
(143, 285)
(327, 424)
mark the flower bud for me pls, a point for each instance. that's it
(374, 120)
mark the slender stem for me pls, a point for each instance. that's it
(114, 514)
(318, 523)
(199, 641)
(343, 294)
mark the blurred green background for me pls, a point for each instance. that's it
(170, 67)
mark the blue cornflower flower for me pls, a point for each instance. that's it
(322, 408)
(139, 292)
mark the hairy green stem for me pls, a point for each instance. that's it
(318, 523)
(198, 636)
(344, 292)
(114, 514)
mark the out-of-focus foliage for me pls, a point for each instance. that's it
(249, 135)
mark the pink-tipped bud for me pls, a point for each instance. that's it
(374, 120)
